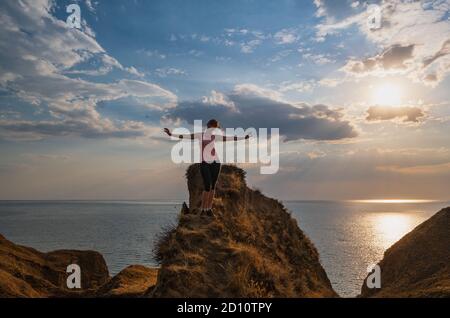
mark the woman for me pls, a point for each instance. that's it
(210, 164)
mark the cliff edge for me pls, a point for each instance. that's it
(419, 264)
(251, 248)
(26, 272)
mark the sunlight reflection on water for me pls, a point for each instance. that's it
(353, 235)
(390, 227)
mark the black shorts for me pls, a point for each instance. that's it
(210, 173)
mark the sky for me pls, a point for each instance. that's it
(363, 110)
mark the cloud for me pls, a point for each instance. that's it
(303, 86)
(91, 5)
(43, 157)
(252, 89)
(248, 40)
(260, 108)
(439, 169)
(363, 172)
(335, 10)
(408, 114)
(38, 51)
(416, 27)
(88, 128)
(195, 53)
(330, 82)
(280, 55)
(316, 154)
(394, 58)
(169, 71)
(153, 53)
(445, 50)
(318, 59)
(218, 98)
(248, 47)
(144, 90)
(286, 36)
(79, 117)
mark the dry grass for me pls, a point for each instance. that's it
(26, 272)
(252, 248)
(163, 240)
(418, 265)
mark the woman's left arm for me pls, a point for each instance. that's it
(181, 136)
(234, 138)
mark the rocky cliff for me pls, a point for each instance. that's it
(28, 273)
(419, 264)
(133, 281)
(251, 248)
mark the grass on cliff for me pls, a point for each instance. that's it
(252, 248)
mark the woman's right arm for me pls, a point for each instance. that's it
(235, 138)
(189, 136)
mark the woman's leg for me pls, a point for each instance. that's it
(206, 176)
(215, 171)
(205, 200)
(210, 199)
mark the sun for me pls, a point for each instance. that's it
(387, 94)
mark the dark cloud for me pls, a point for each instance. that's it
(393, 58)
(87, 129)
(432, 77)
(409, 114)
(445, 50)
(317, 122)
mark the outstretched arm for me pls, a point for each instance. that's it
(188, 136)
(235, 138)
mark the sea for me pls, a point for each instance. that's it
(349, 235)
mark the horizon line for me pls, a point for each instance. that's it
(180, 201)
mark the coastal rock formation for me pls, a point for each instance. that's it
(419, 264)
(26, 272)
(251, 248)
(133, 281)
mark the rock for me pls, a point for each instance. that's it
(133, 281)
(251, 248)
(418, 265)
(26, 272)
